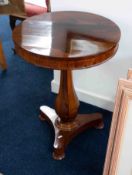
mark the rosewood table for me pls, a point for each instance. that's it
(65, 41)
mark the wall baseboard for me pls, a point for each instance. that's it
(88, 97)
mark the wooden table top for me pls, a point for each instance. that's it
(66, 40)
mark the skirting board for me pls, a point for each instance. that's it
(88, 97)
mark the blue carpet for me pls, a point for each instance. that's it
(25, 141)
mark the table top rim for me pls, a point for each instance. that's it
(78, 58)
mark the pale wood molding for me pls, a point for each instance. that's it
(123, 94)
(129, 75)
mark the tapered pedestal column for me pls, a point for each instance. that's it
(65, 120)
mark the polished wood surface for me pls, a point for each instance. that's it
(66, 41)
(65, 119)
(2, 58)
(64, 134)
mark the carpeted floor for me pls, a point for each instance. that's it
(25, 141)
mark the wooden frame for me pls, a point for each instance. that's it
(14, 7)
(123, 95)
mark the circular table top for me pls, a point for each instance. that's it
(66, 40)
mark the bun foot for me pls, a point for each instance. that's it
(62, 133)
(58, 156)
(100, 125)
(42, 118)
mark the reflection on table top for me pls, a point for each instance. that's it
(73, 34)
(66, 40)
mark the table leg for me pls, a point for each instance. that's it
(65, 120)
(2, 58)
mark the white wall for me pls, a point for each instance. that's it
(97, 85)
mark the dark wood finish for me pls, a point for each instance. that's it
(14, 18)
(66, 122)
(66, 41)
(2, 58)
(47, 44)
(65, 132)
